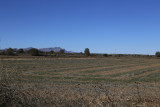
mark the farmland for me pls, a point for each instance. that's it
(112, 81)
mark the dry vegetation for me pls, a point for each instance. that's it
(124, 81)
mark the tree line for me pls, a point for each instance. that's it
(33, 52)
(36, 52)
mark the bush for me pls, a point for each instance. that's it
(9, 51)
(87, 52)
(33, 52)
(105, 55)
(21, 51)
(51, 52)
(61, 51)
(157, 54)
(2, 53)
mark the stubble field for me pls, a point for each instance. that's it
(112, 81)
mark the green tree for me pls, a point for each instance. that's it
(33, 52)
(87, 52)
(105, 55)
(21, 51)
(61, 51)
(9, 51)
(157, 54)
(52, 52)
(2, 52)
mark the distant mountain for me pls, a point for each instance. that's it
(55, 49)
(26, 49)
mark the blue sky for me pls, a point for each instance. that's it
(103, 26)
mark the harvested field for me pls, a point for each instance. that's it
(83, 81)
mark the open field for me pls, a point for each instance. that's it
(112, 81)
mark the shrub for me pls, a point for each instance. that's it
(51, 52)
(81, 53)
(9, 51)
(2, 53)
(61, 51)
(21, 51)
(87, 52)
(157, 54)
(33, 52)
(105, 55)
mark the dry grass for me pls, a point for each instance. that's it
(60, 82)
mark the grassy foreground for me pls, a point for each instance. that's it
(122, 81)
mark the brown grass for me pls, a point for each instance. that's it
(128, 69)
(15, 92)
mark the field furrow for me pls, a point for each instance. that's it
(132, 76)
(117, 72)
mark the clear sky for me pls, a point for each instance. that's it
(103, 26)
